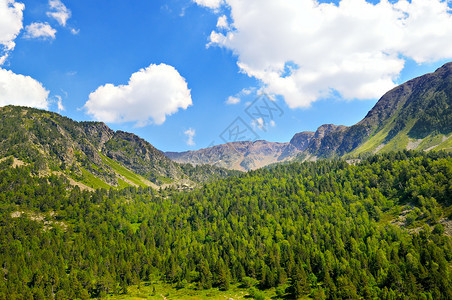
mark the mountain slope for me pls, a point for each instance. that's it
(416, 110)
(414, 115)
(238, 155)
(90, 152)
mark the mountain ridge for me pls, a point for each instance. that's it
(90, 152)
(414, 115)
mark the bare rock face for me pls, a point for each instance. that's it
(301, 140)
(99, 132)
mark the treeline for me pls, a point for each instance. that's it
(320, 229)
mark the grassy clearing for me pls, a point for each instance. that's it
(399, 142)
(121, 170)
(122, 184)
(93, 181)
(160, 290)
(371, 144)
(374, 141)
(165, 180)
(446, 145)
(430, 141)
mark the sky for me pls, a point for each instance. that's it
(189, 74)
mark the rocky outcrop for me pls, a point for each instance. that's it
(301, 140)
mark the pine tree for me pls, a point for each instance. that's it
(300, 285)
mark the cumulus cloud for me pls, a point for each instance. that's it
(232, 100)
(150, 95)
(304, 50)
(59, 12)
(11, 16)
(39, 30)
(212, 4)
(22, 90)
(222, 22)
(190, 133)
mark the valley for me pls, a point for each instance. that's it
(226, 150)
(340, 213)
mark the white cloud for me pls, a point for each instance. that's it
(22, 90)
(59, 12)
(39, 30)
(212, 4)
(258, 123)
(59, 103)
(232, 100)
(190, 133)
(304, 50)
(150, 95)
(237, 98)
(223, 22)
(247, 91)
(11, 16)
(75, 31)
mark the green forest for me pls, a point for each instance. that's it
(323, 230)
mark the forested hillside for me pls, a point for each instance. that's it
(91, 153)
(325, 229)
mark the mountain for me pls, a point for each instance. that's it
(90, 153)
(238, 155)
(413, 115)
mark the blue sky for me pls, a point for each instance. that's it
(179, 72)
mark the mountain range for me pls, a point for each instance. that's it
(414, 115)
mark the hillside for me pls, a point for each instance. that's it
(90, 152)
(241, 156)
(414, 115)
(379, 229)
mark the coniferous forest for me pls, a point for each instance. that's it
(325, 230)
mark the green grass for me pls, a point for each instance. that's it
(93, 181)
(446, 145)
(126, 173)
(399, 142)
(430, 141)
(129, 177)
(160, 290)
(122, 184)
(165, 180)
(374, 141)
